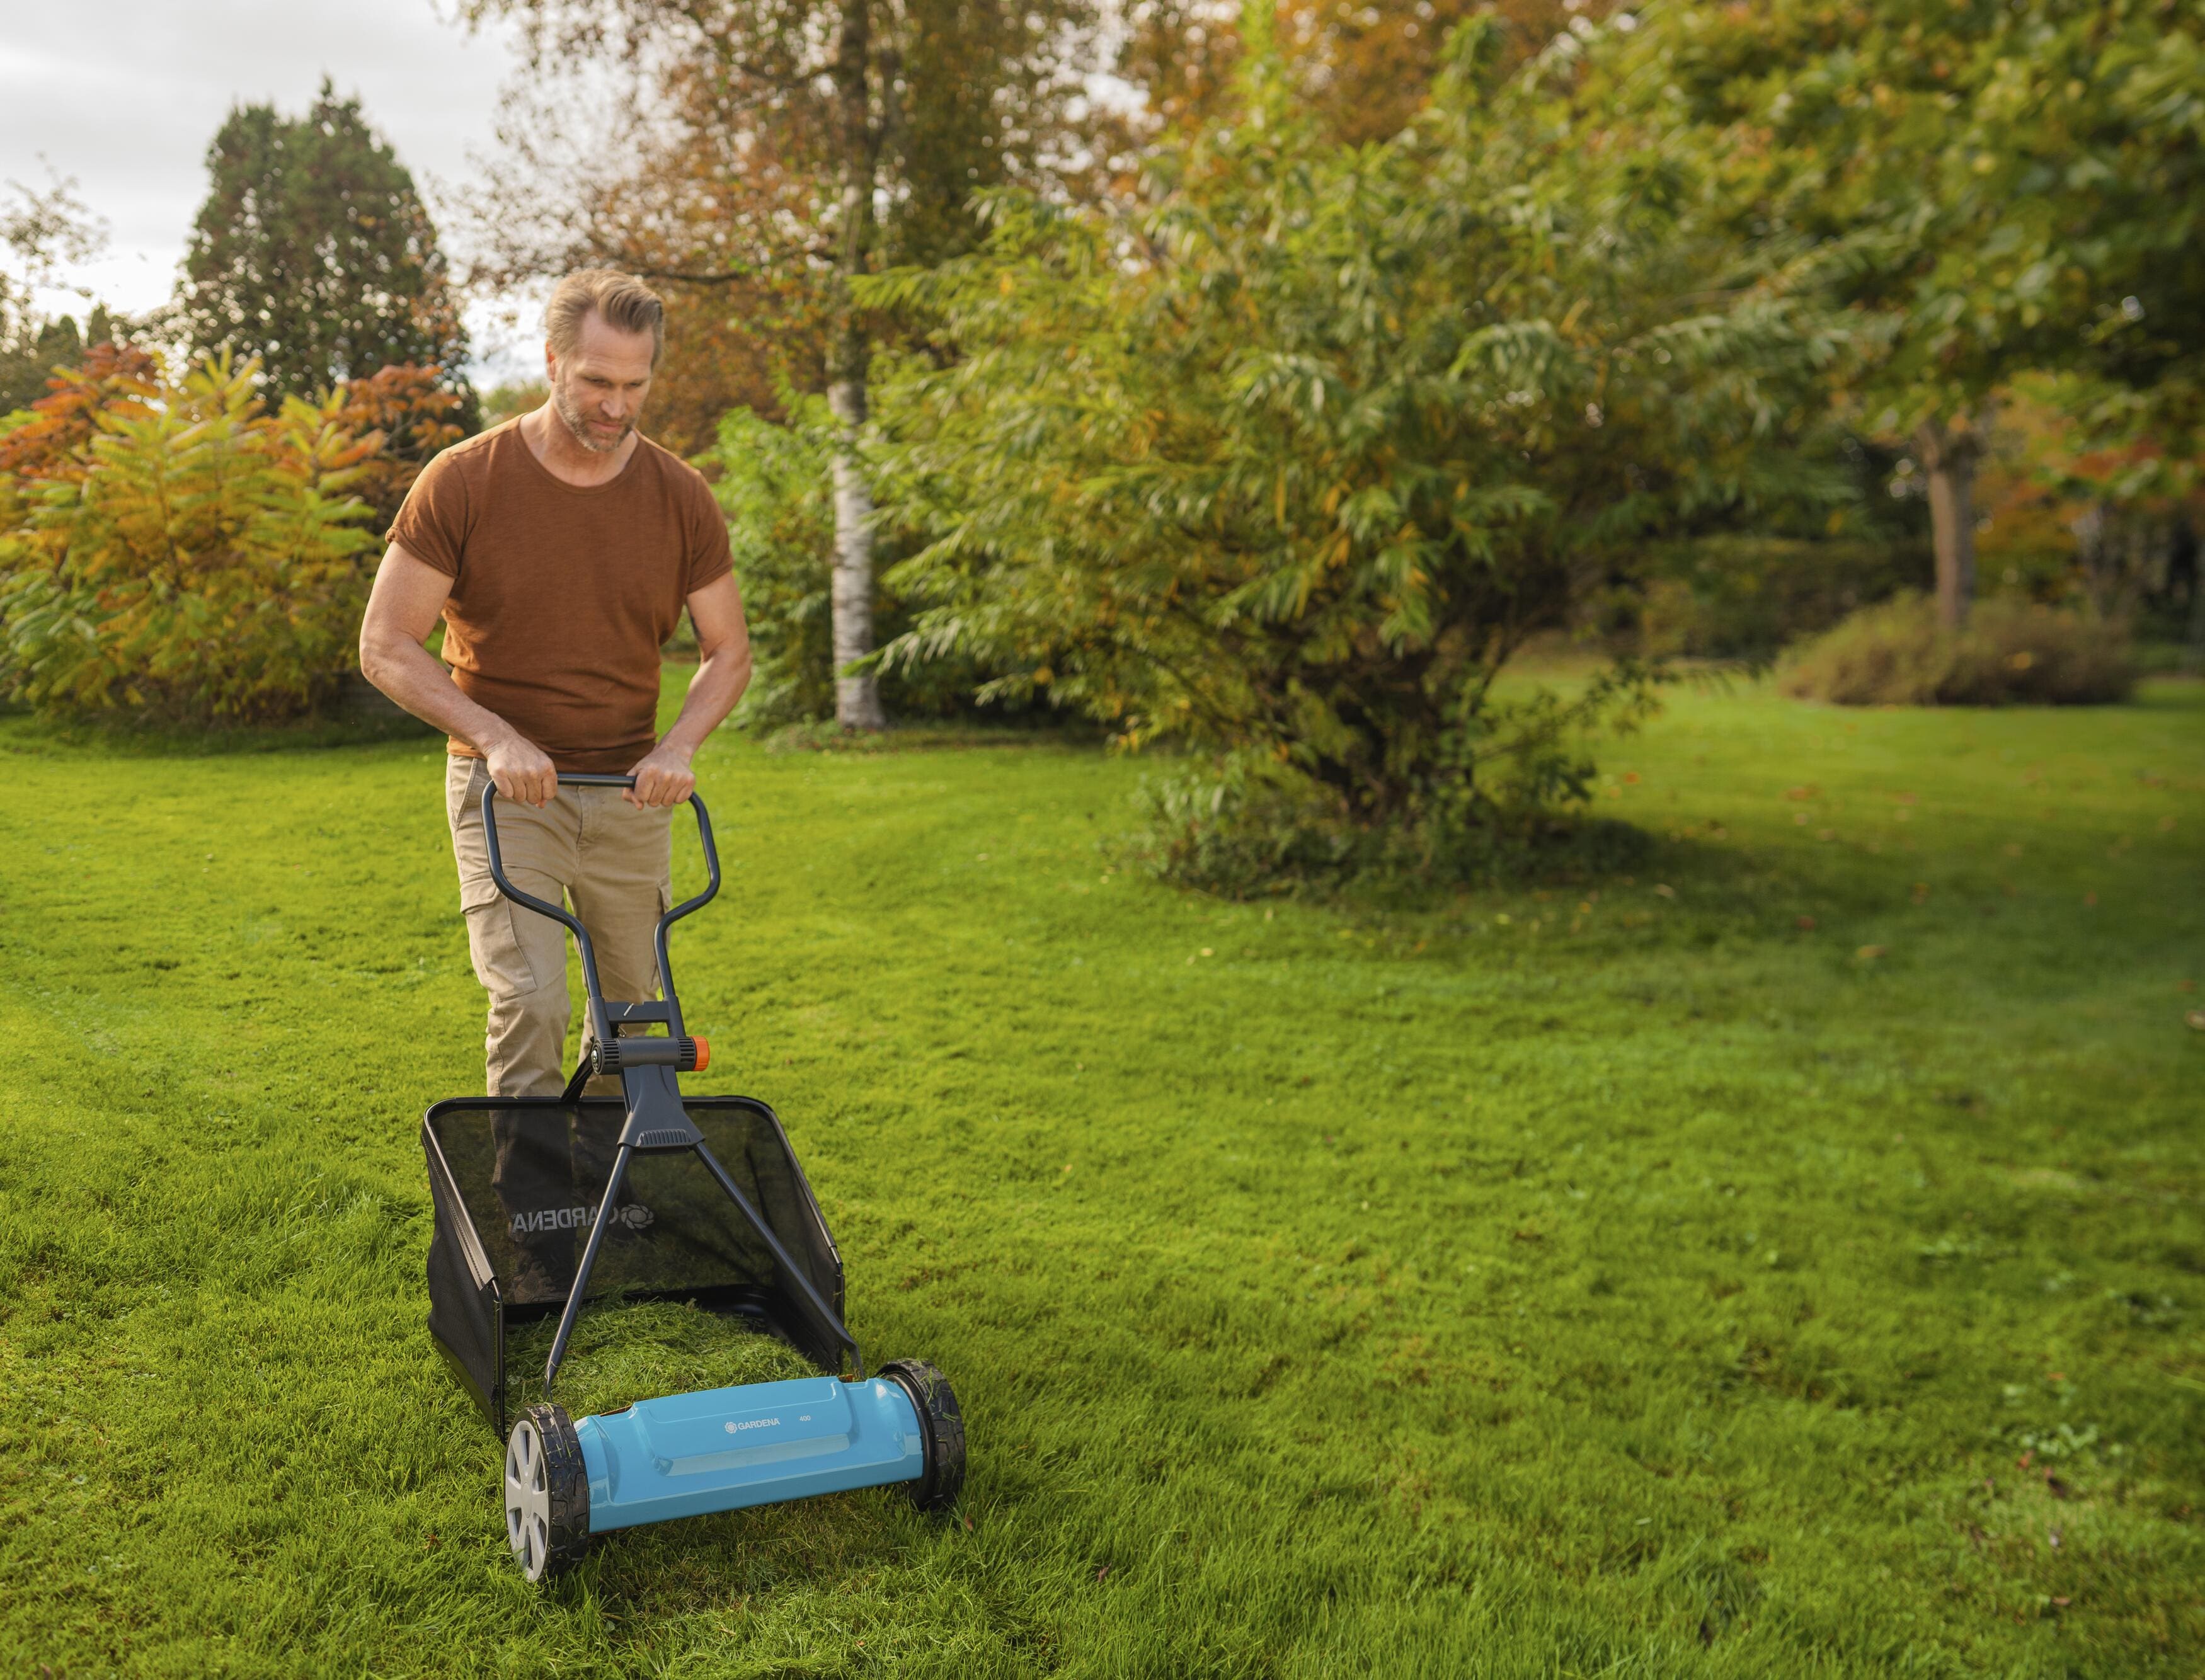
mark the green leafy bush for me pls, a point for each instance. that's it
(2010, 653)
(189, 557)
(776, 486)
(1747, 597)
(1287, 469)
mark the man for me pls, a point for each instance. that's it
(560, 549)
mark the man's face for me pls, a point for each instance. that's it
(598, 387)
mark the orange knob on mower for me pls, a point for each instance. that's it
(703, 1055)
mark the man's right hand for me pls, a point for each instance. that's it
(521, 769)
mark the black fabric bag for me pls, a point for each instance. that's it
(516, 1182)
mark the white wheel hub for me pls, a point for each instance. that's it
(527, 1500)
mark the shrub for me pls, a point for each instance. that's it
(2011, 652)
(1287, 469)
(1747, 597)
(1241, 832)
(50, 439)
(416, 414)
(189, 556)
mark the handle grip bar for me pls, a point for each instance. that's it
(601, 1024)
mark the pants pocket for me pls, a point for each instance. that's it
(501, 960)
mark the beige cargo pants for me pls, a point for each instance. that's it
(611, 864)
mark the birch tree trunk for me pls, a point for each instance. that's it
(857, 698)
(1948, 455)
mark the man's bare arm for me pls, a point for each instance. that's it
(723, 671)
(402, 609)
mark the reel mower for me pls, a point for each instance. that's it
(673, 1198)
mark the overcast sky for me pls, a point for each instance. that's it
(125, 95)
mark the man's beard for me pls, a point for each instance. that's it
(579, 425)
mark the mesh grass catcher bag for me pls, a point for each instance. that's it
(545, 1204)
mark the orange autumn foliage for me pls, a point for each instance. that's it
(408, 417)
(117, 379)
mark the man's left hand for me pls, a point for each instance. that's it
(662, 777)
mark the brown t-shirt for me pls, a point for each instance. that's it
(562, 597)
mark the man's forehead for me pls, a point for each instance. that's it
(604, 349)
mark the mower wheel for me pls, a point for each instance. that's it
(942, 1427)
(547, 1493)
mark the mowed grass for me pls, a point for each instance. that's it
(1620, 1279)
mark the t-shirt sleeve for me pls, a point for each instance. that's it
(432, 525)
(707, 559)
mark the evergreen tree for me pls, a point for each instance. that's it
(314, 253)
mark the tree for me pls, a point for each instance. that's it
(39, 232)
(1364, 70)
(782, 149)
(2002, 186)
(314, 255)
(1287, 466)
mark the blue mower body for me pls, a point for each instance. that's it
(722, 1449)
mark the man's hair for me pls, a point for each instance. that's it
(619, 300)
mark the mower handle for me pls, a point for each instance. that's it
(601, 1024)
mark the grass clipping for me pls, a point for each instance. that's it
(2009, 653)
(620, 1353)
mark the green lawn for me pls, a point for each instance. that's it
(1630, 1282)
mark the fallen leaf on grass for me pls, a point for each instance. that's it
(1665, 892)
(1804, 923)
(2196, 1018)
(2061, 1604)
(1869, 953)
(2090, 901)
(1104, 1570)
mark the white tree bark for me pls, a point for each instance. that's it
(857, 698)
